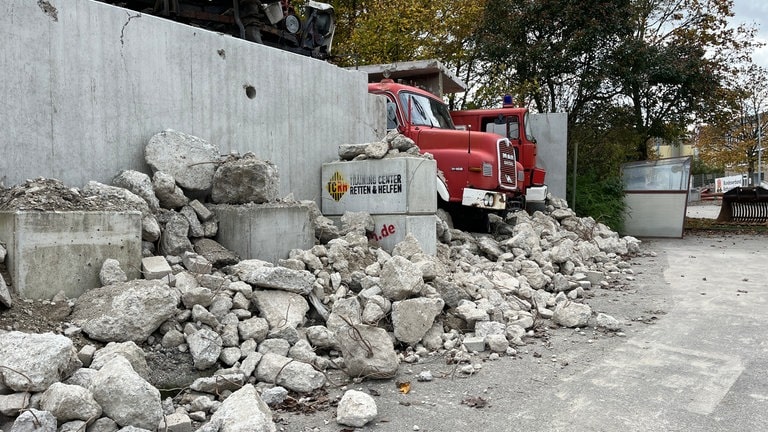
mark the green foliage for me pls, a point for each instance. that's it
(390, 31)
(605, 140)
(666, 63)
(701, 167)
(600, 196)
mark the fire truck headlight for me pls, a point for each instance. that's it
(488, 200)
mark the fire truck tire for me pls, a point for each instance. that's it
(533, 207)
(468, 218)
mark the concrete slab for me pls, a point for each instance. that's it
(50, 252)
(264, 231)
(383, 186)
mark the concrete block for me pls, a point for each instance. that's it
(389, 230)
(392, 229)
(381, 186)
(264, 231)
(594, 277)
(202, 211)
(50, 252)
(474, 343)
(155, 267)
(176, 422)
(196, 263)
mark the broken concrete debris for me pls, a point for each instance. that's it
(240, 180)
(356, 409)
(5, 293)
(248, 333)
(190, 160)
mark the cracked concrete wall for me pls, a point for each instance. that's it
(86, 84)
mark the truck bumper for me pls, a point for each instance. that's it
(536, 194)
(484, 199)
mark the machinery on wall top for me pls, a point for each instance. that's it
(306, 30)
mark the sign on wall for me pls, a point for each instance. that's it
(386, 186)
(724, 184)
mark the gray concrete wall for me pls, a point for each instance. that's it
(551, 132)
(85, 85)
(50, 252)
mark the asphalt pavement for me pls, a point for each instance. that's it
(692, 356)
(702, 366)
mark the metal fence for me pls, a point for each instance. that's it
(704, 180)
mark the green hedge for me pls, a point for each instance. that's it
(601, 197)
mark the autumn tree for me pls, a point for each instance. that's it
(377, 31)
(735, 142)
(627, 72)
(677, 64)
(666, 61)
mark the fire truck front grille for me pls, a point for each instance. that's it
(507, 165)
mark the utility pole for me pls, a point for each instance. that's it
(759, 150)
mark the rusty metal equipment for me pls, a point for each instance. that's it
(745, 204)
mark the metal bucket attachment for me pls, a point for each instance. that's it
(744, 204)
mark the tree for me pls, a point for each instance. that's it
(378, 31)
(677, 64)
(668, 61)
(552, 54)
(627, 72)
(735, 142)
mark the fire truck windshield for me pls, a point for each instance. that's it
(426, 111)
(528, 133)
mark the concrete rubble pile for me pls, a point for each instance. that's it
(253, 333)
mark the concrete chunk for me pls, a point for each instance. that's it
(189, 159)
(155, 267)
(474, 343)
(356, 409)
(246, 179)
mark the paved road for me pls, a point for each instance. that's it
(703, 366)
(694, 358)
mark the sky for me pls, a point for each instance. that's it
(754, 12)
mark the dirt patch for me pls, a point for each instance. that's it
(39, 316)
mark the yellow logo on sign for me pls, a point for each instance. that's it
(337, 186)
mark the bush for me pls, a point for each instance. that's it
(600, 197)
